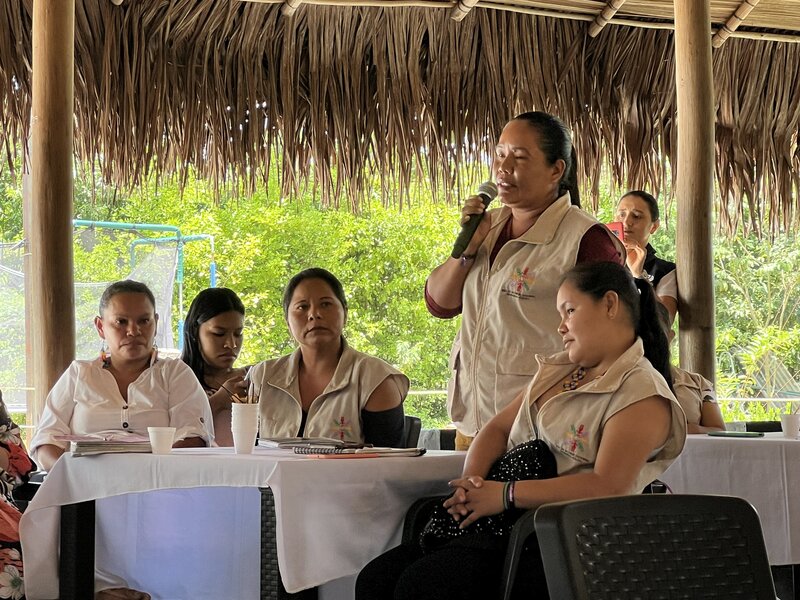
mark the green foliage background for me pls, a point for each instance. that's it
(383, 257)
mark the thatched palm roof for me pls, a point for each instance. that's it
(347, 93)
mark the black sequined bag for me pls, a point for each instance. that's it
(531, 460)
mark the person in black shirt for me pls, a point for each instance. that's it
(638, 212)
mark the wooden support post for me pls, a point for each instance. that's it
(733, 23)
(695, 184)
(52, 326)
(604, 17)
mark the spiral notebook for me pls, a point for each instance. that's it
(368, 452)
(315, 443)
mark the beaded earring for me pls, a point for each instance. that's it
(105, 356)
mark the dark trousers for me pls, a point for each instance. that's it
(466, 568)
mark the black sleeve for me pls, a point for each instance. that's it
(383, 428)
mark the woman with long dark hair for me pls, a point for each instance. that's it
(212, 340)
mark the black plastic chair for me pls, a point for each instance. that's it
(646, 546)
(23, 494)
(411, 428)
(447, 439)
(650, 546)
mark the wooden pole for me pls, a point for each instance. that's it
(695, 184)
(50, 233)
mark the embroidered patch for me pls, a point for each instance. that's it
(342, 429)
(520, 283)
(575, 438)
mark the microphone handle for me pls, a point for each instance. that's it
(468, 229)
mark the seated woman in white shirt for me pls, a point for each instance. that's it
(326, 388)
(127, 388)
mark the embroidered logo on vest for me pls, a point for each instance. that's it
(575, 438)
(520, 283)
(342, 428)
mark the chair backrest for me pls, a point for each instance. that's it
(411, 428)
(654, 546)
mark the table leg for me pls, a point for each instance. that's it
(271, 584)
(76, 558)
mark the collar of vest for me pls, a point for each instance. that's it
(546, 226)
(285, 377)
(628, 360)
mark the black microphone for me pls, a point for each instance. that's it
(487, 191)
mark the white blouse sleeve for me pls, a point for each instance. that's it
(189, 410)
(668, 286)
(58, 408)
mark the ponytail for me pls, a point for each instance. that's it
(569, 183)
(650, 329)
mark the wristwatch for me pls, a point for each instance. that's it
(465, 258)
(646, 276)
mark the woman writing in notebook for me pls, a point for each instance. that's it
(326, 388)
(212, 340)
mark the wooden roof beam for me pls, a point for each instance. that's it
(290, 7)
(460, 10)
(749, 35)
(605, 16)
(733, 22)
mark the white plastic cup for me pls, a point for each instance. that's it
(244, 426)
(161, 439)
(790, 424)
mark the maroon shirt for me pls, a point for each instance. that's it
(596, 246)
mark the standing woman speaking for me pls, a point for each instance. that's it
(505, 282)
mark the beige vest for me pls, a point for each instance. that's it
(509, 312)
(691, 390)
(336, 413)
(572, 422)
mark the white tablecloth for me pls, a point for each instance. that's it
(765, 471)
(333, 516)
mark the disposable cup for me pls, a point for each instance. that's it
(244, 426)
(161, 439)
(790, 424)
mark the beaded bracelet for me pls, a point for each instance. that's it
(510, 494)
(506, 487)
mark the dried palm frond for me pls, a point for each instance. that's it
(363, 100)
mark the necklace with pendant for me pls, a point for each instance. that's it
(571, 382)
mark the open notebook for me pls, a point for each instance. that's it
(367, 452)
